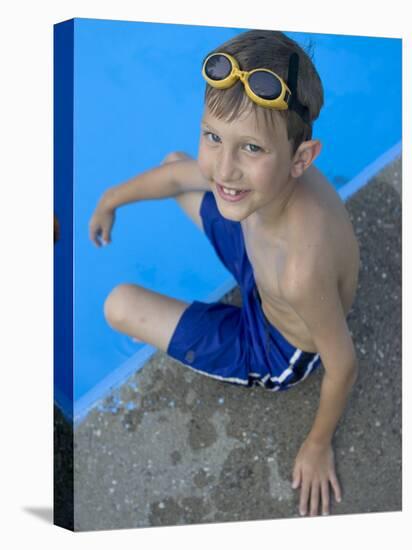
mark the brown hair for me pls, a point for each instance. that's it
(270, 50)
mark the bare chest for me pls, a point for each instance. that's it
(268, 263)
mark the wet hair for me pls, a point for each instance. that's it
(271, 50)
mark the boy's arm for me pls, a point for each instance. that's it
(167, 180)
(316, 300)
(321, 309)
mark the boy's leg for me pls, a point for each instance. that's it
(143, 314)
(190, 202)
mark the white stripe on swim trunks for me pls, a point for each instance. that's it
(235, 380)
(308, 370)
(289, 370)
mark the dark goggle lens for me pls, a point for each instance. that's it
(218, 67)
(265, 85)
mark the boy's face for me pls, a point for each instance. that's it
(244, 155)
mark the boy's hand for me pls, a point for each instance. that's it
(314, 469)
(101, 224)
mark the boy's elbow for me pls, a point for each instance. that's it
(352, 371)
(344, 371)
(351, 364)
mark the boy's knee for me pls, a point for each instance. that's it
(175, 155)
(115, 305)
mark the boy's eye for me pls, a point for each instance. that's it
(253, 148)
(211, 137)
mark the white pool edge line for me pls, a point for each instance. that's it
(370, 171)
(118, 377)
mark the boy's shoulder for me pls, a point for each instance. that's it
(317, 214)
(320, 233)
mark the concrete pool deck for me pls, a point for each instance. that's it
(174, 447)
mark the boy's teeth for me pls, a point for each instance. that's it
(230, 191)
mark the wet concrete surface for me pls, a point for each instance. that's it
(174, 447)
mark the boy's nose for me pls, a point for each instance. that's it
(227, 169)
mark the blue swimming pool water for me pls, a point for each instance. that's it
(131, 107)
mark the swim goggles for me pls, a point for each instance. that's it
(263, 86)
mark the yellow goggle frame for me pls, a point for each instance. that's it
(280, 103)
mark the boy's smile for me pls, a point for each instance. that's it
(247, 167)
(230, 194)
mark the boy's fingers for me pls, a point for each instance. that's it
(106, 237)
(296, 478)
(93, 233)
(314, 499)
(304, 495)
(336, 487)
(94, 238)
(325, 498)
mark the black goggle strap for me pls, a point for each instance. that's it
(293, 102)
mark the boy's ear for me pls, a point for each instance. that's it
(304, 156)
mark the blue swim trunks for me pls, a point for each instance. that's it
(236, 344)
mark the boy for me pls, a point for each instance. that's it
(277, 224)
